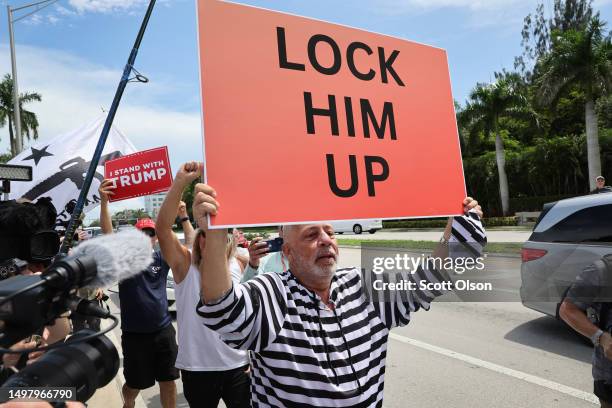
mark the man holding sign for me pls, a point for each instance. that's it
(315, 336)
(353, 121)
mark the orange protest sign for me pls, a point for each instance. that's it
(308, 121)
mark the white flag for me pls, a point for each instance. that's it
(59, 167)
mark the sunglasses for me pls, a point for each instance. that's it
(150, 232)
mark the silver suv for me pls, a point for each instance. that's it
(569, 235)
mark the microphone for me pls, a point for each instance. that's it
(117, 256)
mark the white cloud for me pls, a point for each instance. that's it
(74, 91)
(503, 14)
(106, 6)
(473, 5)
(78, 8)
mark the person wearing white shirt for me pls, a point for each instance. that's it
(210, 370)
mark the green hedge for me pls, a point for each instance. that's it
(501, 222)
(441, 223)
(425, 223)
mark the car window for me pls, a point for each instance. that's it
(589, 225)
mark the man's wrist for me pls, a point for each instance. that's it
(253, 266)
(183, 219)
(180, 184)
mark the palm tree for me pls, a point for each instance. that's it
(487, 104)
(579, 60)
(29, 121)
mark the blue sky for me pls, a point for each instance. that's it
(73, 53)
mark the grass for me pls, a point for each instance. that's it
(495, 247)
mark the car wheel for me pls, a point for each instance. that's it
(339, 233)
(357, 229)
(372, 231)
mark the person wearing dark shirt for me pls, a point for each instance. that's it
(601, 186)
(148, 338)
(591, 295)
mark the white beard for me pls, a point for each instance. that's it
(302, 265)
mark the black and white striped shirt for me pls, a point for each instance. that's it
(306, 354)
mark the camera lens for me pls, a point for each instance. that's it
(86, 365)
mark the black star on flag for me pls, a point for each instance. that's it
(38, 154)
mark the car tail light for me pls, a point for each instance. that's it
(531, 254)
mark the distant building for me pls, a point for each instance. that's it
(153, 204)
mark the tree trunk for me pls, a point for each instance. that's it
(501, 170)
(592, 138)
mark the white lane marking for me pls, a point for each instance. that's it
(500, 369)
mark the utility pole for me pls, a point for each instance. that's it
(11, 20)
(16, 110)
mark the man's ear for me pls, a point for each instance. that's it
(286, 250)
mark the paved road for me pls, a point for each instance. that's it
(472, 355)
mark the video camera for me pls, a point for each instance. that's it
(28, 302)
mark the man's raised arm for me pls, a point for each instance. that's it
(106, 189)
(396, 307)
(175, 254)
(248, 315)
(215, 275)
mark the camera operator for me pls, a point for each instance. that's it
(10, 361)
(27, 246)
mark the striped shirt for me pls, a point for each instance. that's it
(306, 354)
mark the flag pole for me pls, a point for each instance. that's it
(125, 78)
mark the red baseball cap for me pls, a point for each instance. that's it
(145, 223)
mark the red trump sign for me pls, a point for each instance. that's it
(309, 121)
(139, 174)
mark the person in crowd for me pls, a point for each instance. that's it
(316, 339)
(261, 260)
(183, 220)
(592, 291)
(148, 338)
(210, 369)
(241, 241)
(10, 361)
(242, 252)
(601, 187)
